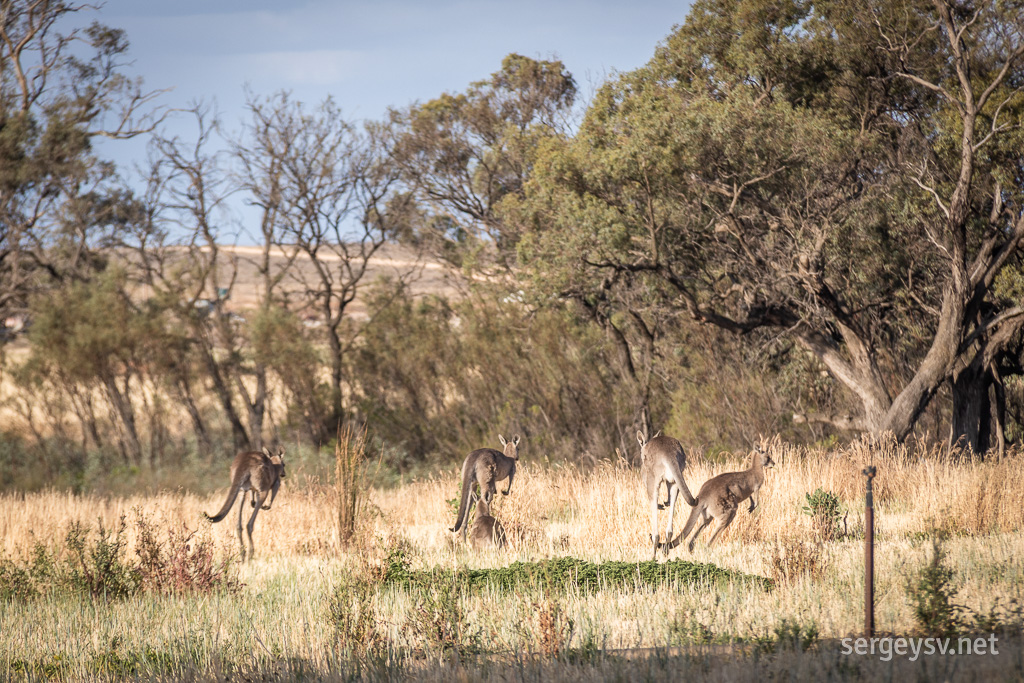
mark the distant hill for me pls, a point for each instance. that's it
(424, 275)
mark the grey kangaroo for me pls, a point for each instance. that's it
(720, 497)
(487, 531)
(485, 467)
(662, 459)
(259, 472)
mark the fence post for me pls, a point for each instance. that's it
(869, 556)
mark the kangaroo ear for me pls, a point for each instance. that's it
(515, 441)
(266, 452)
(640, 438)
(502, 440)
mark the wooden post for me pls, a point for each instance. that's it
(869, 556)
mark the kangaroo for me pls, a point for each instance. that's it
(720, 497)
(485, 467)
(486, 531)
(662, 459)
(259, 472)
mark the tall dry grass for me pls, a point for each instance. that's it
(552, 511)
(597, 514)
(349, 460)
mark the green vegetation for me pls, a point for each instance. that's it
(824, 510)
(97, 565)
(932, 590)
(568, 573)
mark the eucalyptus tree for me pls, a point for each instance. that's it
(259, 153)
(466, 159)
(335, 204)
(62, 85)
(181, 257)
(462, 154)
(844, 177)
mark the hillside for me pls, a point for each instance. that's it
(423, 274)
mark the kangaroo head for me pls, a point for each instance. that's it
(277, 457)
(762, 455)
(511, 448)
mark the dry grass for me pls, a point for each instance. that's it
(551, 512)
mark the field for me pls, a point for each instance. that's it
(309, 608)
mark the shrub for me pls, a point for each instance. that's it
(395, 567)
(685, 629)
(824, 509)
(789, 635)
(353, 620)
(570, 573)
(15, 582)
(552, 630)
(182, 563)
(440, 620)
(98, 564)
(931, 592)
(100, 568)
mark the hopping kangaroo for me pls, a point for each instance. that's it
(662, 459)
(486, 531)
(486, 467)
(260, 473)
(720, 497)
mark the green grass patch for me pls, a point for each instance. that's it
(566, 573)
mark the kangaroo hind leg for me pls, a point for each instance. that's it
(654, 525)
(722, 523)
(471, 500)
(241, 511)
(704, 521)
(252, 520)
(673, 495)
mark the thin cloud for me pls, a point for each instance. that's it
(298, 67)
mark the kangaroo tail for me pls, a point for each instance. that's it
(235, 485)
(680, 463)
(685, 490)
(694, 514)
(467, 487)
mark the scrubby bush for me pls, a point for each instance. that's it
(825, 512)
(99, 565)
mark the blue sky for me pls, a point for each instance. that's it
(368, 55)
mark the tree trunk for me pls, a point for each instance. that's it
(254, 406)
(259, 407)
(937, 364)
(639, 388)
(334, 345)
(202, 434)
(82, 402)
(972, 410)
(123, 407)
(223, 393)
